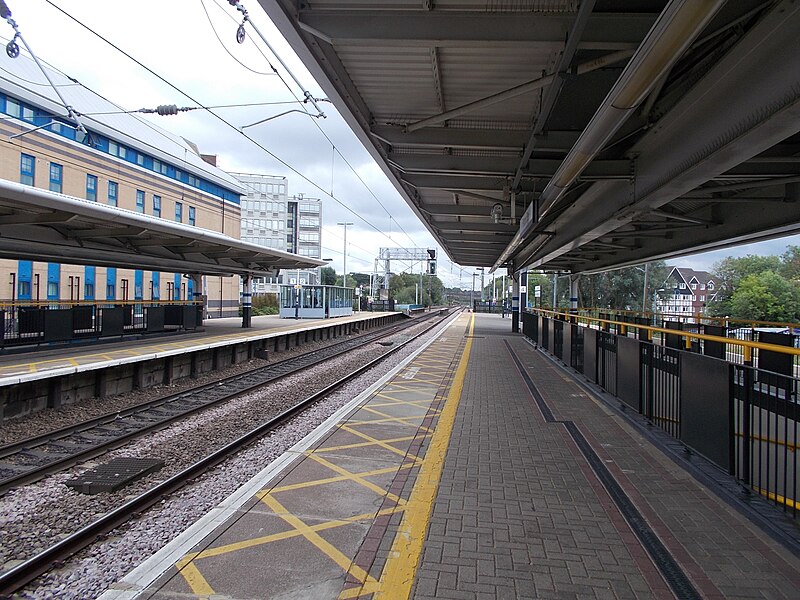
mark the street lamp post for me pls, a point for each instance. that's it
(472, 292)
(344, 266)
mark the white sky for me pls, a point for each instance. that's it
(175, 39)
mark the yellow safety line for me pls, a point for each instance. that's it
(401, 566)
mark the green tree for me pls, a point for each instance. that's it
(765, 296)
(622, 289)
(731, 271)
(327, 276)
(790, 267)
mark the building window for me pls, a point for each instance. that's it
(682, 286)
(139, 201)
(88, 291)
(694, 286)
(27, 165)
(13, 107)
(113, 189)
(702, 298)
(702, 286)
(52, 290)
(179, 212)
(56, 177)
(711, 285)
(156, 206)
(91, 188)
(116, 149)
(24, 289)
(192, 214)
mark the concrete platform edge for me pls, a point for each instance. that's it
(147, 572)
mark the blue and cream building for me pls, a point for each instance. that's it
(125, 162)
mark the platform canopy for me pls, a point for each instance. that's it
(569, 135)
(41, 225)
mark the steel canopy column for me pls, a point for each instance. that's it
(573, 293)
(515, 303)
(247, 300)
(197, 293)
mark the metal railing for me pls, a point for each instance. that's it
(742, 414)
(23, 323)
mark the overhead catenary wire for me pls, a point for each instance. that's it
(218, 117)
(208, 16)
(322, 131)
(11, 48)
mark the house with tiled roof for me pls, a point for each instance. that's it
(687, 292)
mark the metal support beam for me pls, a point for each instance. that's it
(519, 90)
(551, 95)
(465, 29)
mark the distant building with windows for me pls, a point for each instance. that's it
(273, 220)
(126, 162)
(687, 292)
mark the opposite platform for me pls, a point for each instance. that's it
(479, 470)
(46, 362)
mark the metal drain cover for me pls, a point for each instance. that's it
(115, 474)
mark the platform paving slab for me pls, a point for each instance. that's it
(299, 536)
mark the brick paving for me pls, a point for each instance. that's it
(521, 513)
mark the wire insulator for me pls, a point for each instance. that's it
(167, 109)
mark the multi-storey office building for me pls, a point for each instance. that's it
(125, 162)
(273, 220)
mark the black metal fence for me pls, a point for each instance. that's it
(41, 324)
(744, 418)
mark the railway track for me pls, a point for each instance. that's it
(32, 459)
(15, 579)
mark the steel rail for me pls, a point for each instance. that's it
(122, 419)
(14, 579)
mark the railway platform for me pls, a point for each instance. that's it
(49, 377)
(478, 468)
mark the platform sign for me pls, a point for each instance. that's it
(523, 289)
(537, 291)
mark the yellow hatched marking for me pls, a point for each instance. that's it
(400, 420)
(321, 543)
(277, 537)
(368, 587)
(415, 403)
(401, 566)
(195, 580)
(359, 480)
(362, 444)
(327, 480)
(380, 443)
(388, 416)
